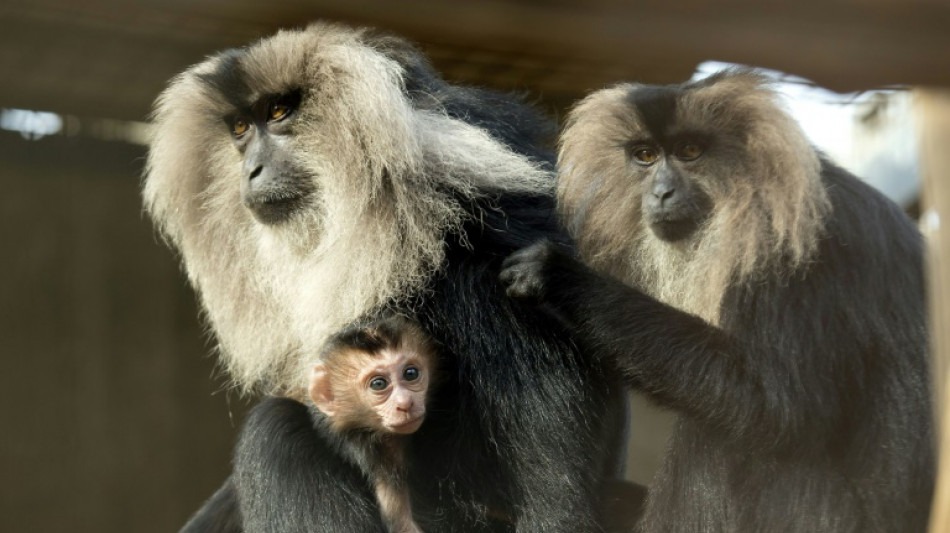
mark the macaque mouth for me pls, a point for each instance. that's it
(409, 426)
(277, 207)
(672, 230)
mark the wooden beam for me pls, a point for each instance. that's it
(933, 112)
(111, 58)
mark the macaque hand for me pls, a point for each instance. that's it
(525, 273)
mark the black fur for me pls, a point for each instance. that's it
(656, 106)
(808, 410)
(229, 79)
(372, 337)
(521, 432)
(504, 115)
(220, 514)
(291, 478)
(521, 435)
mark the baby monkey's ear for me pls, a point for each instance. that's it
(321, 393)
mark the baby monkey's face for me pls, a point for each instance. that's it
(393, 383)
(375, 379)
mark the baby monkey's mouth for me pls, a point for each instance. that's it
(408, 426)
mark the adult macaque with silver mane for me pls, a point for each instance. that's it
(327, 174)
(371, 388)
(772, 300)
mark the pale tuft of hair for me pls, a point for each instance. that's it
(769, 200)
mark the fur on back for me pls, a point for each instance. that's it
(760, 170)
(391, 182)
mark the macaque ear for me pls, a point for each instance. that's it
(320, 391)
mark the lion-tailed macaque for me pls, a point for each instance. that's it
(322, 174)
(371, 388)
(734, 275)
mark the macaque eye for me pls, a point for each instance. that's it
(239, 127)
(278, 112)
(411, 373)
(645, 155)
(378, 384)
(689, 151)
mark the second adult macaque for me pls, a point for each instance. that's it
(370, 388)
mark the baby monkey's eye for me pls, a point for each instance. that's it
(410, 374)
(378, 384)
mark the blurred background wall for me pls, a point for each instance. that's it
(112, 418)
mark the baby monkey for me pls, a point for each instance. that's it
(371, 388)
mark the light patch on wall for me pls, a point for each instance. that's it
(871, 133)
(35, 125)
(32, 125)
(930, 222)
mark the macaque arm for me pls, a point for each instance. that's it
(676, 358)
(395, 507)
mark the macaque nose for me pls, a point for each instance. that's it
(403, 401)
(663, 193)
(256, 172)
